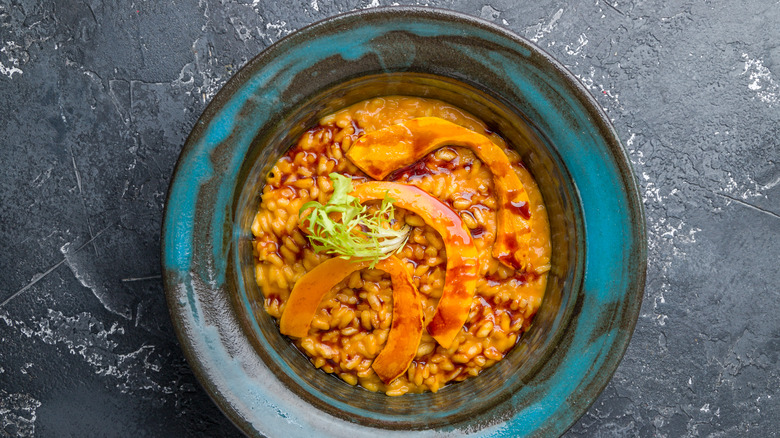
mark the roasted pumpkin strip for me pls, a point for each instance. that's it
(407, 326)
(308, 291)
(461, 274)
(380, 152)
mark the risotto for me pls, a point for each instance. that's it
(463, 252)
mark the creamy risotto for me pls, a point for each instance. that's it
(423, 257)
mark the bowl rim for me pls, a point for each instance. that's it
(639, 255)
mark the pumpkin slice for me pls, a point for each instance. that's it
(407, 326)
(382, 151)
(462, 264)
(308, 292)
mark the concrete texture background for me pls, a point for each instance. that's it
(99, 96)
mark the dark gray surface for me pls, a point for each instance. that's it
(98, 99)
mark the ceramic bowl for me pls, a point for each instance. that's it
(581, 331)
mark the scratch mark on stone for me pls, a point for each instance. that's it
(614, 8)
(36, 278)
(114, 93)
(132, 279)
(75, 169)
(42, 177)
(40, 276)
(748, 205)
(91, 233)
(81, 193)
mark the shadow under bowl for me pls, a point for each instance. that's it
(259, 379)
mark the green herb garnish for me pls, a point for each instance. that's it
(346, 228)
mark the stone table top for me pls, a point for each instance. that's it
(99, 96)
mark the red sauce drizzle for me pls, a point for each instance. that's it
(417, 169)
(520, 208)
(273, 299)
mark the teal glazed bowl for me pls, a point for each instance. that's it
(557, 369)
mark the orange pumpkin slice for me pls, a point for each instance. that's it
(407, 326)
(462, 264)
(308, 291)
(380, 152)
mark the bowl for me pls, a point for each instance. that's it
(557, 369)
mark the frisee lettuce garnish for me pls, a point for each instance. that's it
(346, 228)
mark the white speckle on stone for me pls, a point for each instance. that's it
(489, 13)
(18, 413)
(315, 5)
(84, 336)
(9, 71)
(186, 77)
(652, 192)
(8, 50)
(770, 184)
(576, 49)
(630, 141)
(732, 187)
(761, 80)
(599, 90)
(276, 30)
(541, 29)
(705, 408)
(243, 32)
(202, 77)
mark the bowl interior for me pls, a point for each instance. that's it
(455, 402)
